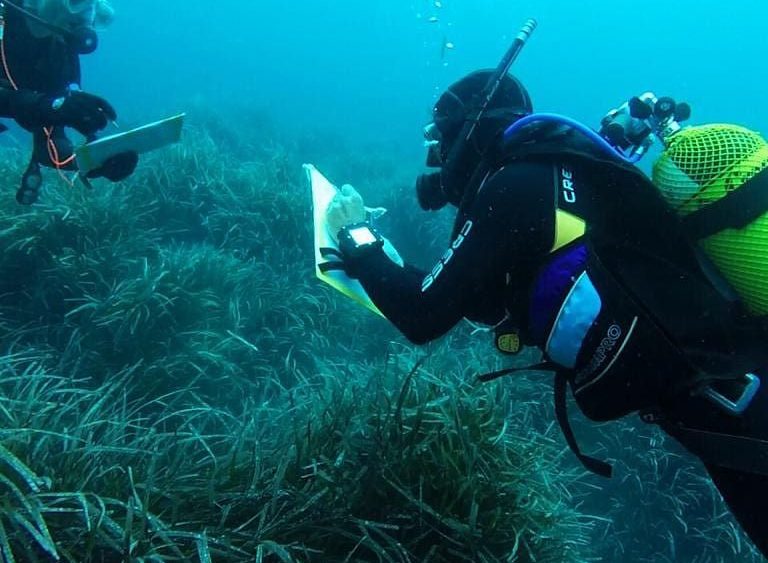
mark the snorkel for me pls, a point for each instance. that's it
(434, 190)
(460, 149)
(82, 39)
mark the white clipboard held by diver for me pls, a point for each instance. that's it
(146, 138)
(323, 192)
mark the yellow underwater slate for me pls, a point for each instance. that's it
(323, 192)
(139, 140)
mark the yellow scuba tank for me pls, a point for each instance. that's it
(716, 178)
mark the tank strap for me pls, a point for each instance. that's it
(734, 211)
(594, 465)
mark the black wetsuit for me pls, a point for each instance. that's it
(501, 254)
(45, 65)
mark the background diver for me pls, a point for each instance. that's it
(560, 244)
(41, 42)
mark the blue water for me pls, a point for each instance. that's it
(369, 71)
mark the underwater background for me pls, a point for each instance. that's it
(368, 71)
(176, 385)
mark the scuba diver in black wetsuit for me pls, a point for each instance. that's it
(40, 46)
(562, 244)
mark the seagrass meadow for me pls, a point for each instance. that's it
(175, 385)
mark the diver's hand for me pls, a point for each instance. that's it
(117, 167)
(346, 208)
(357, 243)
(82, 111)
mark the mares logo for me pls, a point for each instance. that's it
(566, 182)
(604, 349)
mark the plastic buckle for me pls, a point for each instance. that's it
(740, 404)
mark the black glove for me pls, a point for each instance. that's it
(82, 111)
(117, 167)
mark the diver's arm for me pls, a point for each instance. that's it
(13, 102)
(501, 229)
(392, 288)
(397, 292)
(26, 106)
(82, 111)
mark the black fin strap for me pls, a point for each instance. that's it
(326, 267)
(561, 413)
(541, 366)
